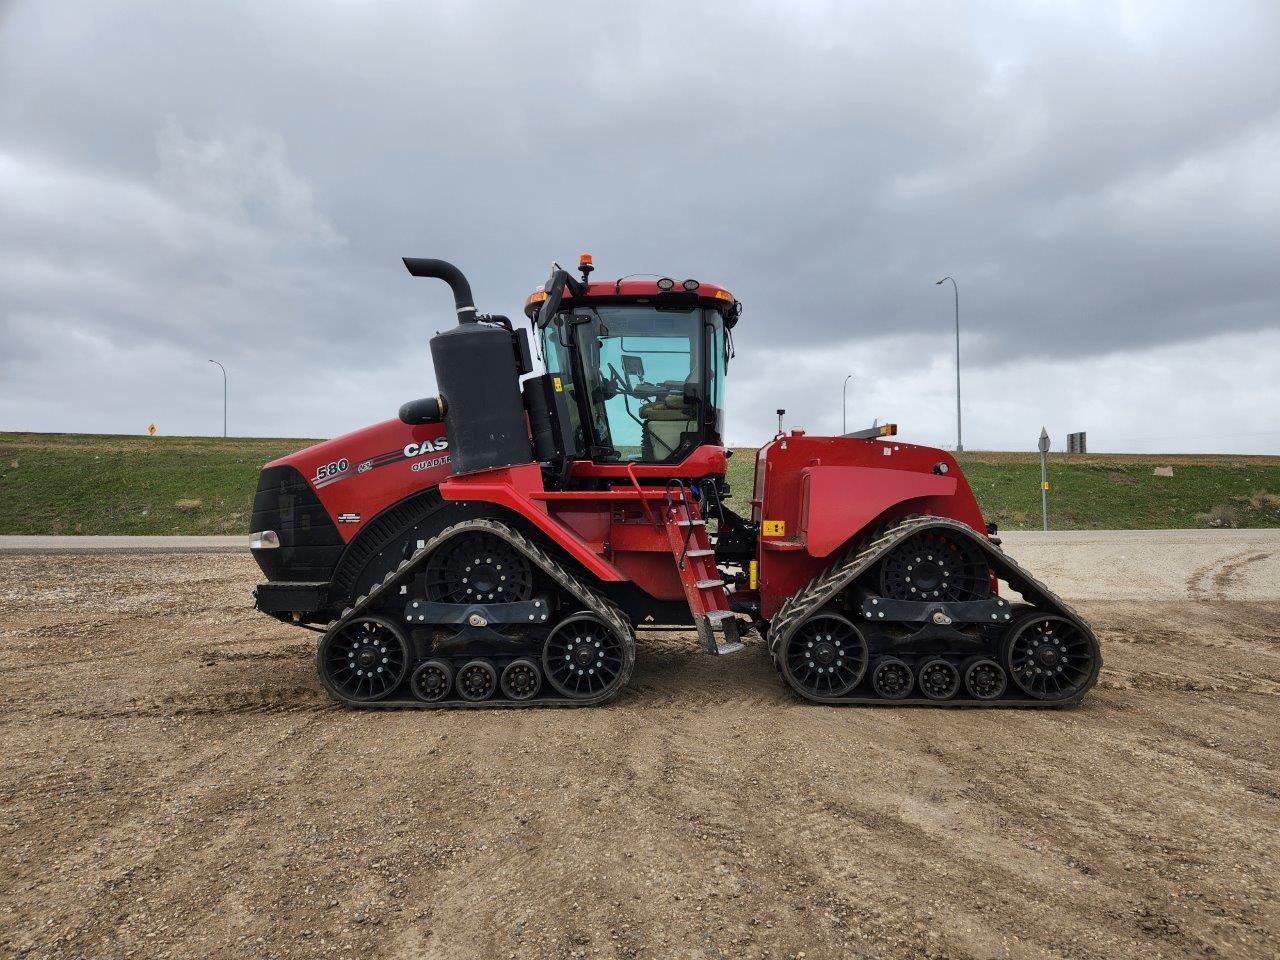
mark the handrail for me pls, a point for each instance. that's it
(688, 514)
(644, 504)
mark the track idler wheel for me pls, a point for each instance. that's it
(826, 656)
(984, 679)
(364, 661)
(892, 679)
(477, 681)
(583, 657)
(521, 680)
(1049, 657)
(939, 679)
(432, 681)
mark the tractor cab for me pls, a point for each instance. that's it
(640, 363)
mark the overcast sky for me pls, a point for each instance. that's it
(184, 181)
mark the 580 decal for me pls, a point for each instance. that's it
(331, 469)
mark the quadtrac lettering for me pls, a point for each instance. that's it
(413, 451)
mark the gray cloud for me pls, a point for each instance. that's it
(239, 181)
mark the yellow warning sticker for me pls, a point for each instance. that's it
(1046, 484)
(774, 528)
(559, 387)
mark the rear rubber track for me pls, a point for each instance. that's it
(825, 587)
(591, 601)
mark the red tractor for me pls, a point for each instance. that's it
(499, 544)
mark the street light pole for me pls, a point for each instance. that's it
(959, 443)
(844, 416)
(224, 396)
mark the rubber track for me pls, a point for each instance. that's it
(590, 599)
(823, 588)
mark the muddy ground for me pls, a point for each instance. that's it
(175, 785)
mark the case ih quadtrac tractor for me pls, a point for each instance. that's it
(499, 544)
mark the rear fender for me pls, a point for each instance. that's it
(840, 503)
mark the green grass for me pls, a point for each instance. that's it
(90, 484)
(76, 483)
(1106, 491)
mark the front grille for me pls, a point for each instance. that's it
(309, 542)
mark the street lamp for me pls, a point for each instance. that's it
(844, 417)
(959, 444)
(224, 396)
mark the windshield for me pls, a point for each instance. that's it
(653, 378)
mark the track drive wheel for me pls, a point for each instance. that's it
(1049, 657)
(521, 680)
(477, 680)
(432, 681)
(935, 565)
(826, 656)
(363, 661)
(478, 568)
(892, 679)
(583, 658)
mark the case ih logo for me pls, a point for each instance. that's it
(426, 446)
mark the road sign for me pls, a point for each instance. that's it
(1043, 445)
(151, 430)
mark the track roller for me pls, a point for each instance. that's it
(1049, 657)
(364, 661)
(477, 680)
(939, 679)
(521, 680)
(431, 681)
(984, 679)
(583, 657)
(892, 678)
(825, 656)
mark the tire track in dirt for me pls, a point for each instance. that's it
(1221, 575)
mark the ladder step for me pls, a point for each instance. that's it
(708, 584)
(691, 523)
(719, 633)
(700, 553)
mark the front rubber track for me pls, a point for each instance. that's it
(584, 597)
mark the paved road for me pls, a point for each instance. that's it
(124, 544)
(1078, 564)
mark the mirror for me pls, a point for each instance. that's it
(555, 291)
(633, 366)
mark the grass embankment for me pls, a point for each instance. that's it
(91, 484)
(78, 483)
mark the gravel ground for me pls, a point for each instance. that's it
(175, 785)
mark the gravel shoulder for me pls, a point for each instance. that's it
(175, 784)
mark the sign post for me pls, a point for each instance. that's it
(1043, 444)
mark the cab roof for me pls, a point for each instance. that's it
(643, 291)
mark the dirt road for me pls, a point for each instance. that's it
(175, 785)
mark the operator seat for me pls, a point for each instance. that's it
(666, 421)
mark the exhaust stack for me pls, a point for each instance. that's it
(446, 271)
